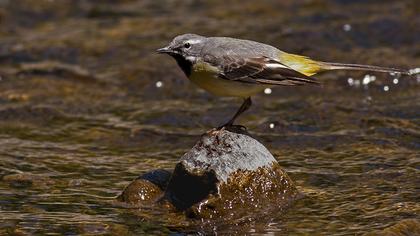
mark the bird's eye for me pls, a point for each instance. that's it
(187, 45)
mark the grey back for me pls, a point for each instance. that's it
(225, 46)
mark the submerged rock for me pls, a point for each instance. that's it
(405, 227)
(224, 174)
(146, 189)
(28, 180)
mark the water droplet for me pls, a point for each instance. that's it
(350, 81)
(267, 91)
(159, 84)
(271, 125)
(366, 79)
(347, 27)
(395, 81)
(386, 88)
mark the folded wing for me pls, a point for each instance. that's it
(262, 70)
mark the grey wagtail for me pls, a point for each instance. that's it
(241, 68)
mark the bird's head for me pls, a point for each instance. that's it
(186, 46)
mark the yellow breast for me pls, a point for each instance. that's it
(205, 76)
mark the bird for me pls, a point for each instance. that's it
(231, 67)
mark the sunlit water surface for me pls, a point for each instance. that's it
(71, 138)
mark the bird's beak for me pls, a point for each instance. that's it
(165, 50)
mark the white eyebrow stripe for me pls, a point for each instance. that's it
(275, 65)
(194, 41)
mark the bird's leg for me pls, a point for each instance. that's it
(245, 106)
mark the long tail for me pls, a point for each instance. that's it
(308, 66)
(342, 66)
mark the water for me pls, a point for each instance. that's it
(71, 138)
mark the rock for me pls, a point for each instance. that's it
(406, 227)
(228, 173)
(146, 189)
(225, 174)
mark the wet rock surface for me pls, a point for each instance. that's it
(224, 174)
(146, 189)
